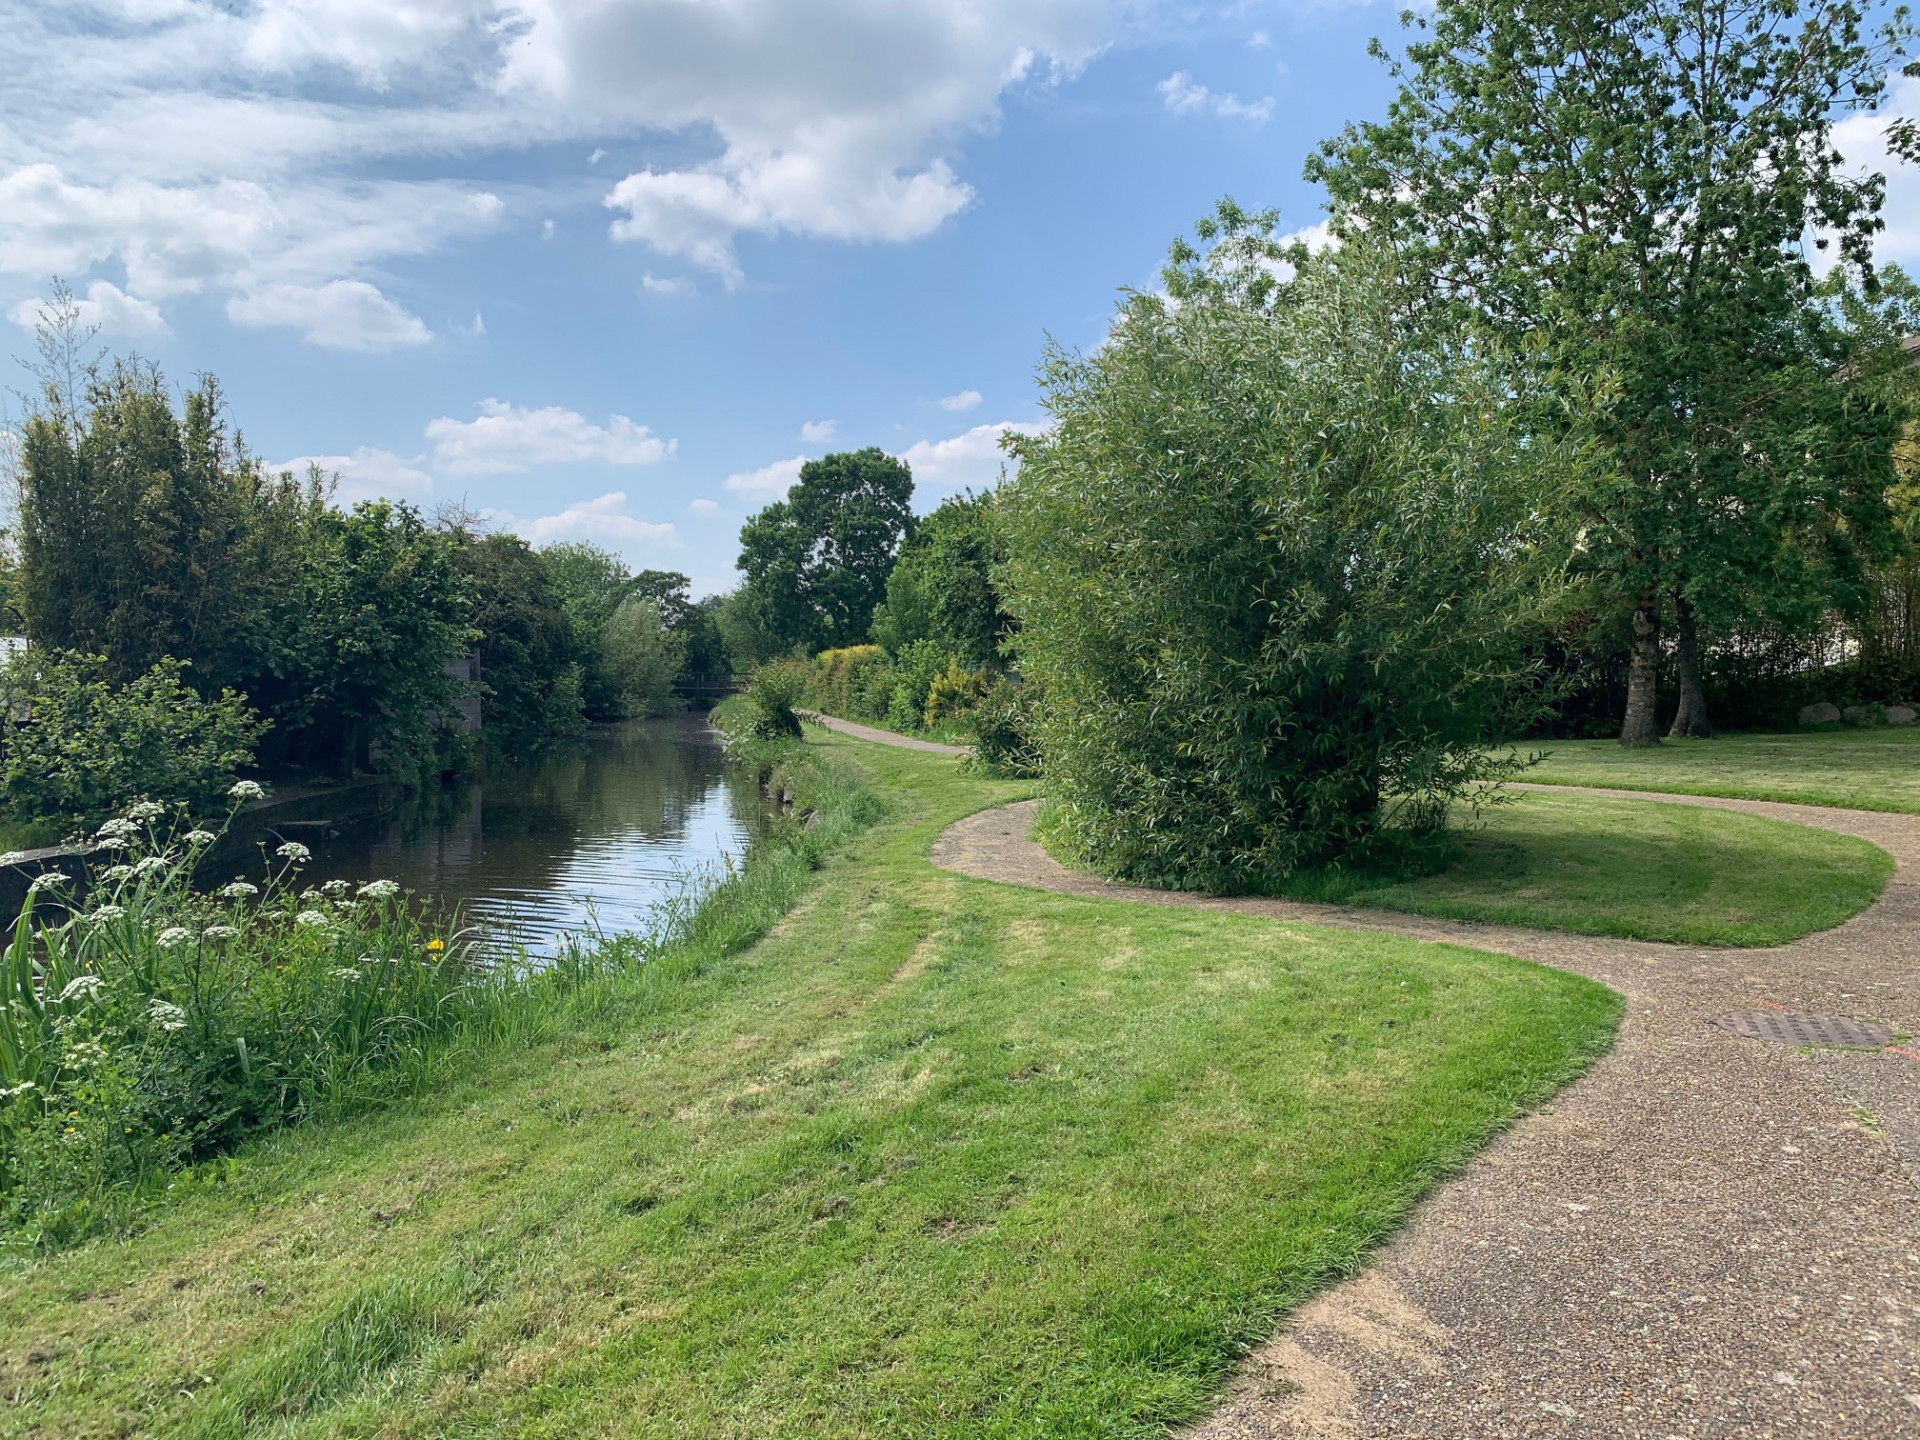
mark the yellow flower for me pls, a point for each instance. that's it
(436, 945)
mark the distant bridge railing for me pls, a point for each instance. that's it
(708, 688)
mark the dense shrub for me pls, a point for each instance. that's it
(1269, 562)
(1005, 727)
(915, 669)
(954, 693)
(640, 657)
(943, 589)
(855, 681)
(79, 748)
(772, 693)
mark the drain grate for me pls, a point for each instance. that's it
(1791, 1028)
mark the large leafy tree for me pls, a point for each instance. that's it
(816, 563)
(942, 588)
(1626, 186)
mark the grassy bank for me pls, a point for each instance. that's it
(1852, 769)
(933, 1157)
(1639, 869)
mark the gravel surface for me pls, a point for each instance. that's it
(1704, 1236)
(879, 737)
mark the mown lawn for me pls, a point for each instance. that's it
(1645, 870)
(1854, 769)
(936, 1157)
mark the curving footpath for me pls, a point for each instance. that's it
(1703, 1236)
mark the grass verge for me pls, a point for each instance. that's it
(933, 1157)
(1851, 769)
(1639, 869)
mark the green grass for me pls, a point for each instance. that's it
(1854, 769)
(1640, 869)
(934, 1157)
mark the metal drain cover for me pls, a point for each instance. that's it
(1790, 1028)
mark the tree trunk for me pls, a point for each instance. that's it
(1691, 717)
(1640, 727)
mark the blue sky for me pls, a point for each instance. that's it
(607, 269)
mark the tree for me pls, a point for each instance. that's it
(816, 563)
(1270, 564)
(641, 657)
(1625, 185)
(942, 586)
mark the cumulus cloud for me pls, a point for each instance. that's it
(1183, 95)
(507, 438)
(769, 480)
(819, 432)
(1862, 140)
(340, 315)
(703, 506)
(965, 400)
(603, 518)
(106, 306)
(176, 146)
(367, 473)
(971, 460)
(665, 284)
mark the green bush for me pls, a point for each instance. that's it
(1270, 562)
(1005, 725)
(79, 748)
(953, 693)
(640, 658)
(772, 692)
(915, 669)
(855, 682)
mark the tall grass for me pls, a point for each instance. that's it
(159, 1024)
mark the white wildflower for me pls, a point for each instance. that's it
(118, 829)
(7, 1092)
(15, 857)
(344, 972)
(113, 842)
(379, 890)
(173, 936)
(51, 880)
(220, 932)
(82, 987)
(87, 1055)
(103, 913)
(335, 888)
(166, 1017)
(201, 837)
(116, 872)
(293, 850)
(146, 810)
(247, 790)
(239, 890)
(313, 918)
(146, 865)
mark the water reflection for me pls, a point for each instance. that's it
(595, 832)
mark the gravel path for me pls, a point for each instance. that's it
(879, 737)
(1704, 1236)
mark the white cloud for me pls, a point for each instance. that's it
(819, 432)
(970, 460)
(367, 473)
(340, 315)
(665, 284)
(704, 506)
(1259, 40)
(602, 518)
(770, 480)
(508, 438)
(599, 154)
(180, 145)
(104, 305)
(546, 229)
(1862, 140)
(1184, 96)
(965, 400)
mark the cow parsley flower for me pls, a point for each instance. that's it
(293, 850)
(116, 872)
(118, 829)
(313, 919)
(173, 936)
(247, 790)
(146, 810)
(239, 890)
(166, 1016)
(335, 888)
(82, 987)
(344, 972)
(379, 890)
(101, 914)
(198, 838)
(15, 857)
(7, 1092)
(112, 842)
(220, 932)
(147, 864)
(50, 880)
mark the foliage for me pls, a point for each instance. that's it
(707, 656)
(640, 657)
(1006, 725)
(589, 583)
(80, 748)
(816, 563)
(955, 692)
(529, 666)
(772, 693)
(855, 682)
(1269, 564)
(942, 587)
(917, 665)
(1626, 185)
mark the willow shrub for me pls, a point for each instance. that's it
(1269, 562)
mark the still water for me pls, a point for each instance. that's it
(596, 832)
